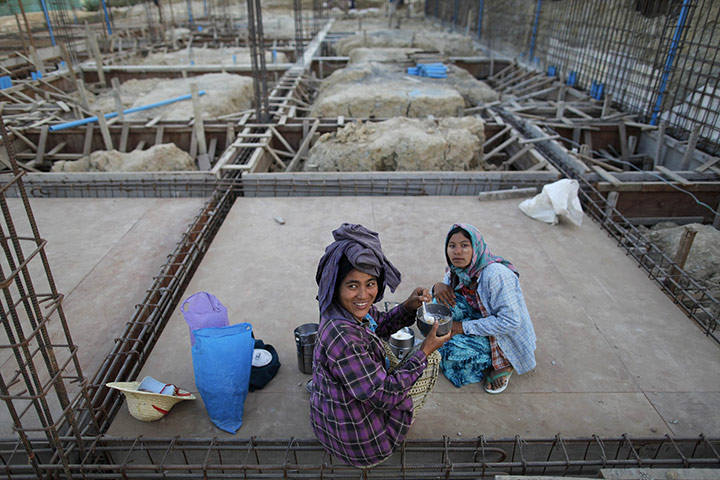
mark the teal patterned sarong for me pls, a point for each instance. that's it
(465, 357)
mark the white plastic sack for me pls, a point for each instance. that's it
(556, 199)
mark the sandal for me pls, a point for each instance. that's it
(492, 378)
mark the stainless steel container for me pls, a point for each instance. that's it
(402, 341)
(433, 311)
(305, 336)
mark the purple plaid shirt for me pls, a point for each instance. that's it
(358, 410)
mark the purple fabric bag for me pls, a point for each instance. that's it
(204, 310)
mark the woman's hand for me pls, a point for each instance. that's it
(444, 294)
(432, 342)
(416, 298)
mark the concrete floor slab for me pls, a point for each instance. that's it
(103, 254)
(576, 282)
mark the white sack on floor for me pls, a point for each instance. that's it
(556, 199)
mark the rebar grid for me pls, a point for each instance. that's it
(688, 294)
(37, 332)
(132, 349)
(144, 188)
(293, 458)
(663, 65)
(337, 184)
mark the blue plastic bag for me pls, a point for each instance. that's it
(222, 360)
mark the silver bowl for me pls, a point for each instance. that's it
(437, 311)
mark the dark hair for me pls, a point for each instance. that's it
(456, 230)
(344, 267)
(453, 232)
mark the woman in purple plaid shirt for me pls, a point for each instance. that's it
(359, 411)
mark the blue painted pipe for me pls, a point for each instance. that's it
(85, 121)
(190, 15)
(535, 29)
(47, 19)
(481, 7)
(107, 17)
(669, 61)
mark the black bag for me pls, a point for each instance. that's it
(261, 376)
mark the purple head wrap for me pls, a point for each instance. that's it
(363, 250)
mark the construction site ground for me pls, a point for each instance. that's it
(103, 254)
(615, 355)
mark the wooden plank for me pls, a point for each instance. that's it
(624, 154)
(152, 122)
(538, 139)
(497, 136)
(212, 147)
(197, 115)
(229, 133)
(277, 134)
(88, 139)
(124, 137)
(707, 164)
(303, 146)
(608, 177)
(104, 130)
(610, 205)
(56, 149)
(139, 146)
(22, 137)
(500, 147)
(672, 175)
(272, 152)
(159, 134)
(692, 142)
(588, 140)
(600, 163)
(507, 163)
(660, 186)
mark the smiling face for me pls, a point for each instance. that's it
(459, 250)
(357, 293)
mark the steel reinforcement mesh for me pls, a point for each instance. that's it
(693, 298)
(480, 457)
(659, 59)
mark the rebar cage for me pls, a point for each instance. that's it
(253, 458)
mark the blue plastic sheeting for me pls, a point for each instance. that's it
(5, 82)
(431, 70)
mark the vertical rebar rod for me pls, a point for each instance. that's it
(257, 56)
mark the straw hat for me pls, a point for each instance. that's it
(149, 406)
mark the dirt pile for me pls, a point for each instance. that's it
(160, 158)
(401, 144)
(703, 262)
(381, 55)
(225, 93)
(446, 43)
(207, 56)
(384, 90)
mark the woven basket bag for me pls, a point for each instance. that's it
(424, 385)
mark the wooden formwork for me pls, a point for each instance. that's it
(648, 194)
(284, 146)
